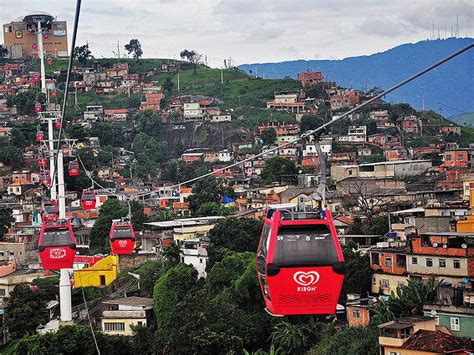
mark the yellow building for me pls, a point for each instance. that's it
(467, 225)
(119, 315)
(102, 273)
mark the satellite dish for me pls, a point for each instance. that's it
(464, 246)
(433, 313)
(435, 245)
(445, 246)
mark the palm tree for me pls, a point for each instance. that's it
(290, 338)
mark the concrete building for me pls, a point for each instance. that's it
(389, 169)
(119, 315)
(20, 38)
(194, 252)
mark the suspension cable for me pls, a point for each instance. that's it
(320, 129)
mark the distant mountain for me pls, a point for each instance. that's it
(448, 90)
(466, 119)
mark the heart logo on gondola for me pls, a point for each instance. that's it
(306, 278)
(122, 243)
(57, 253)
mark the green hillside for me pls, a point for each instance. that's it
(466, 119)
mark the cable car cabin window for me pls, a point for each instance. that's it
(122, 233)
(263, 250)
(88, 196)
(304, 246)
(51, 209)
(56, 238)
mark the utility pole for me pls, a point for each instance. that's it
(222, 76)
(178, 82)
(118, 49)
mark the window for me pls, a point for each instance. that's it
(304, 245)
(356, 313)
(442, 262)
(455, 324)
(414, 260)
(2, 292)
(401, 260)
(375, 258)
(388, 262)
(394, 353)
(102, 280)
(456, 264)
(429, 262)
(385, 283)
(139, 323)
(436, 320)
(114, 327)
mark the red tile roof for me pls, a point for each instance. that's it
(437, 342)
(344, 219)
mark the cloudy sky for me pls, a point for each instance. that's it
(251, 31)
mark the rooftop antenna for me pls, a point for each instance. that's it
(457, 27)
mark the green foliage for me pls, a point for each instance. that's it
(350, 340)
(291, 338)
(23, 135)
(171, 254)
(408, 300)
(25, 101)
(25, 311)
(6, 219)
(268, 136)
(276, 168)
(149, 273)
(209, 189)
(372, 226)
(169, 291)
(83, 54)
(309, 122)
(106, 154)
(135, 47)
(11, 156)
(74, 339)
(358, 273)
(109, 134)
(49, 287)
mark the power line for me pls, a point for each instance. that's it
(327, 124)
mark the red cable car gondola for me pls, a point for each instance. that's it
(50, 211)
(73, 168)
(57, 124)
(57, 245)
(122, 238)
(38, 107)
(44, 177)
(88, 200)
(300, 265)
(39, 136)
(41, 161)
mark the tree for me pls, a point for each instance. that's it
(25, 101)
(3, 51)
(209, 189)
(367, 197)
(149, 273)
(192, 57)
(234, 234)
(309, 122)
(106, 154)
(74, 339)
(351, 340)
(277, 167)
(82, 54)
(358, 273)
(168, 86)
(11, 155)
(268, 136)
(25, 311)
(291, 338)
(134, 46)
(169, 290)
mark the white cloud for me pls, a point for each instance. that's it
(253, 30)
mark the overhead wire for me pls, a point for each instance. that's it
(321, 128)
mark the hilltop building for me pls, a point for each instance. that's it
(21, 40)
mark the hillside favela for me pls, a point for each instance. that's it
(234, 177)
